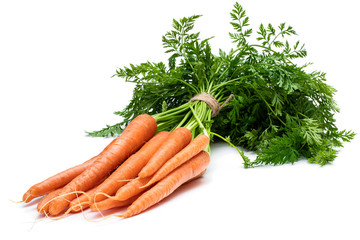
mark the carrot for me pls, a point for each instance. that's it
(129, 192)
(106, 205)
(198, 176)
(56, 181)
(43, 205)
(82, 198)
(170, 183)
(27, 197)
(194, 147)
(132, 188)
(139, 130)
(128, 170)
(176, 141)
(81, 202)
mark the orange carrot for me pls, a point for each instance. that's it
(139, 130)
(176, 141)
(198, 176)
(76, 205)
(105, 204)
(132, 188)
(27, 197)
(81, 202)
(129, 190)
(170, 183)
(43, 205)
(128, 170)
(194, 147)
(56, 181)
(127, 193)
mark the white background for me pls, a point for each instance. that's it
(56, 63)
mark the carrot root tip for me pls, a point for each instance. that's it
(13, 201)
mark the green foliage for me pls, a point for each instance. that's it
(279, 110)
(108, 131)
(280, 150)
(239, 22)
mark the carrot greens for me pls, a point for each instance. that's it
(274, 106)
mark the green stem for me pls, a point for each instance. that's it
(205, 132)
(268, 105)
(230, 81)
(172, 112)
(181, 123)
(193, 87)
(247, 162)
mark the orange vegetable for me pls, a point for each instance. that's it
(128, 193)
(105, 204)
(169, 184)
(132, 188)
(194, 147)
(80, 202)
(139, 130)
(128, 170)
(57, 181)
(176, 141)
(43, 205)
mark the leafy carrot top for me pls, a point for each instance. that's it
(278, 109)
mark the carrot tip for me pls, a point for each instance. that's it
(28, 197)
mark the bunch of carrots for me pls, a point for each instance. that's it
(137, 169)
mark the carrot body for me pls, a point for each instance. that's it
(81, 202)
(105, 204)
(127, 194)
(128, 170)
(128, 191)
(132, 188)
(57, 181)
(139, 130)
(194, 147)
(43, 205)
(110, 203)
(170, 183)
(82, 199)
(176, 141)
